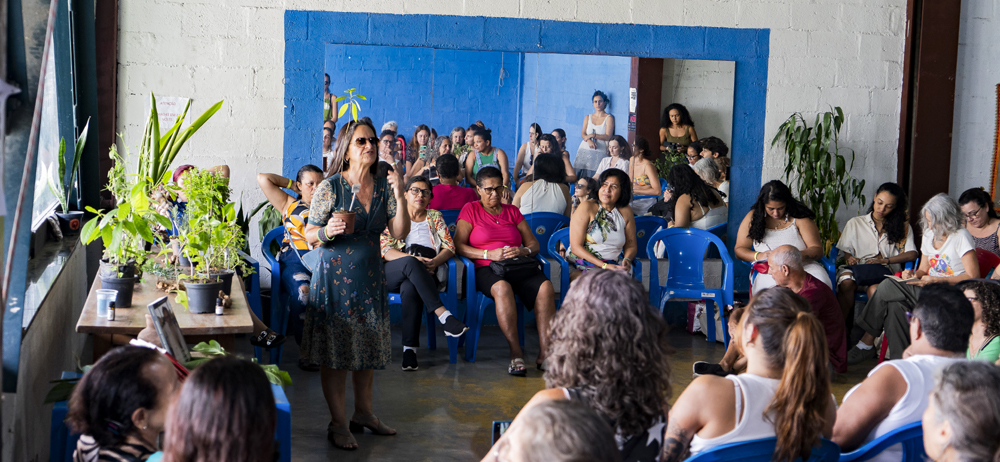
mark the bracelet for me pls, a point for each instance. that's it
(604, 266)
(484, 254)
(289, 184)
(755, 256)
(321, 235)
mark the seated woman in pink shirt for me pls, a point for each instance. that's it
(489, 231)
(449, 195)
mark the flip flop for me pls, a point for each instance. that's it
(517, 367)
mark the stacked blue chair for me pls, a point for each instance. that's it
(686, 249)
(560, 237)
(910, 436)
(543, 224)
(279, 309)
(762, 450)
(450, 218)
(645, 227)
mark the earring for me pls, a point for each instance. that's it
(144, 427)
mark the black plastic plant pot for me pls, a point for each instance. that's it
(124, 286)
(226, 276)
(201, 296)
(70, 223)
(108, 271)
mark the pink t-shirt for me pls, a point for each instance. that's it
(451, 196)
(492, 231)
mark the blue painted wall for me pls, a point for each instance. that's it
(558, 90)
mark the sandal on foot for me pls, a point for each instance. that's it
(372, 423)
(517, 367)
(267, 339)
(307, 366)
(341, 438)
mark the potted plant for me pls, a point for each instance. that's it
(822, 176)
(69, 220)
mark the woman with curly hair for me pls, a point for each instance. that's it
(676, 126)
(785, 392)
(609, 351)
(777, 219)
(880, 239)
(695, 203)
(984, 343)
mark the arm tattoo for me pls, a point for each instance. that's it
(676, 444)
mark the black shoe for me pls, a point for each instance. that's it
(410, 360)
(307, 366)
(703, 368)
(267, 339)
(453, 327)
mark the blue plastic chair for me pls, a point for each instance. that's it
(718, 230)
(450, 218)
(761, 451)
(279, 309)
(253, 294)
(561, 236)
(910, 436)
(450, 300)
(543, 224)
(645, 227)
(685, 275)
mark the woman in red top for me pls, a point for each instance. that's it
(489, 230)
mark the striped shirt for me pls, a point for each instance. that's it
(296, 215)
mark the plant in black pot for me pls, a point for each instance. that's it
(125, 230)
(70, 221)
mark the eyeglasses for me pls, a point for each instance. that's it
(493, 190)
(973, 299)
(361, 141)
(973, 214)
(421, 192)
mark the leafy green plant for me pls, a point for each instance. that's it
(821, 174)
(212, 349)
(211, 234)
(351, 103)
(668, 158)
(58, 185)
(157, 151)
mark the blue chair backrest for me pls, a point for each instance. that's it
(450, 218)
(645, 227)
(663, 185)
(274, 235)
(560, 236)
(719, 230)
(762, 450)
(911, 436)
(686, 254)
(542, 225)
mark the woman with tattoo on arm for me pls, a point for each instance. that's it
(785, 392)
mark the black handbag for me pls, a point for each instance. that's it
(870, 274)
(418, 250)
(516, 268)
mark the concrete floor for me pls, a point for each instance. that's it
(444, 411)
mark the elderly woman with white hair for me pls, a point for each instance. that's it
(948, 255)
(708, 171)
(962, 419)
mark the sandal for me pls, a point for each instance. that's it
(341, 437)
(267, 339)
(308, 366)
(374, 424)
(517, 367)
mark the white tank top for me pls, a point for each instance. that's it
(756, 392)
(543, 196)
(774, 238)
(918, 372)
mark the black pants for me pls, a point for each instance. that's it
(418, 289)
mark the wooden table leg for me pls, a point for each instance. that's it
(102, 343)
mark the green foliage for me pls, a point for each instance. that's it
(822, 176)
(668, 158)
(351, 103)
(157, 152)
(212, 348)
(210, 234)
(57, 185)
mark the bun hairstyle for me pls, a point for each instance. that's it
(604, 96)
(795, 342)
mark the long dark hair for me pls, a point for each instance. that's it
(683, 180)
(895, 223)
(982, 199)
(685, 116)
(549, 167)
(225, 413)
(794, 341)
(642, 145)
(774, 190)
(988, 294)
(340, 162)
(105, 398)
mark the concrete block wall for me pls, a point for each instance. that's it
(821, 53)
(705, 88)
(975, 121)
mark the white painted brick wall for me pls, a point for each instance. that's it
(706, 89)
(822, 53)
(975, 96)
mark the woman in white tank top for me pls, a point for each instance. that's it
(764, 402)
(594, 146)
(548, 192)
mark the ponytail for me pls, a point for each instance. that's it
(800, 404)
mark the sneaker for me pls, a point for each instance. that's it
(701, 368)
(410, 360)
(453, 327)
(856, 355)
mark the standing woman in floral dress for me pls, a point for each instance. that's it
(347, 320)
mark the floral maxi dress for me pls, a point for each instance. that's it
(347, 320)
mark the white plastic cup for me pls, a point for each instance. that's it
(104, 297)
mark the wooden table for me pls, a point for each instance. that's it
(195, 327)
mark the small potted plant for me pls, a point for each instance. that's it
(69, 220)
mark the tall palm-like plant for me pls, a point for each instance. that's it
(58, 185)
(157, 151)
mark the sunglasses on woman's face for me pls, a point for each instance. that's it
(361, 141)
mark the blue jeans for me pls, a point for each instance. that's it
(295, 284)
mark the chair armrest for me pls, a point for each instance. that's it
(546, 266)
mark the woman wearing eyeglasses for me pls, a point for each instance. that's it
(413, 267)
(603, 229)
(490, 231)
(347, 319)
(981, 220)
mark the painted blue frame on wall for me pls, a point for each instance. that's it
(308, 32)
